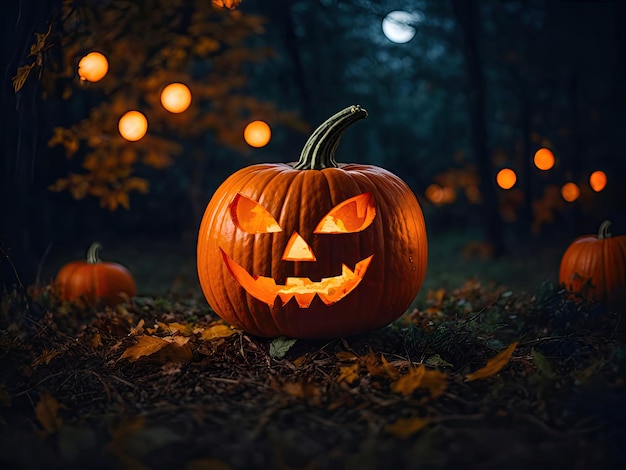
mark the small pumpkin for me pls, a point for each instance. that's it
(312, 249)
(95, 281)
(595, 267)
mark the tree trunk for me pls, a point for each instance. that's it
(467, 20)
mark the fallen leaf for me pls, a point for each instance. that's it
(217, 331)
(183, 328)
(280, 346)
(145, 346)
(301, 389)
(410, 381)
(435, 381)
(47, 412)
(138, 330)
(45, 357)
(389, 369)
(542, 364)
(171, 348)
(494, 365)
(406, 427)
(348, 374)
(346, 356)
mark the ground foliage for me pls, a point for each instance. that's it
(478, 376)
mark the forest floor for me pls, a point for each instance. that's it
(479, 375)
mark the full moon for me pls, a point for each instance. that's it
(398, 26)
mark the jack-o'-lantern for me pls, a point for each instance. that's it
(312, 249)
(594, 266)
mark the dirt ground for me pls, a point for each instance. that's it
(479, 377)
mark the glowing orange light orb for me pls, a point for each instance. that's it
(598, 180)
(93, 67)
(176, 97)
(544, 159)
(506, 178)
(434, 193)
(133, 126)
(257, 134)
(570, 191)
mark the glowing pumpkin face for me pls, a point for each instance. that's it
(350, 216)
(313, 249)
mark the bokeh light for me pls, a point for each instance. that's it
(544, 159)
(257, 134)
(598, 180)
(570, 191)
(133, 126)
(93, 67)
(176, 97)
(434, 193)
(506, 178)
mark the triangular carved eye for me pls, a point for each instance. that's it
(252, 217)
(352, 215)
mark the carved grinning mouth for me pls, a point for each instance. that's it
(329, 289)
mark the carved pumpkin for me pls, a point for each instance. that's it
(95, 281)
(312, 249)
(595, 267)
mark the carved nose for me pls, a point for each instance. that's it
(298, 249)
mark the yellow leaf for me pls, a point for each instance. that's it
(183, 328)
(349, 373)
(145, 346)
(409, 382)
(45, 357)
(435, 381)
(20, 78)
(47, 412)
(406, 427)
(217, 331)
(391, 371)
(346, 356)
(494, 365)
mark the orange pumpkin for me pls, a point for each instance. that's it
(595, 267)
(312, 249)
(95, 281)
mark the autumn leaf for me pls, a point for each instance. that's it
(346, 356)
(280, 346)
(20, 77)
(145, 346)
(494, 365)
(389, 369)
(217, 331)
(302, 389)
(47, 412)
(45, 357)
(434, 381)
(348, 374)
(174, 348)
(184, 329)
(409, 382)
(406, 427)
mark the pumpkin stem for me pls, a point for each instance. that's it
(605, 230)
(319, 151)
(92, 253)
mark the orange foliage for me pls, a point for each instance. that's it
(146, 52)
